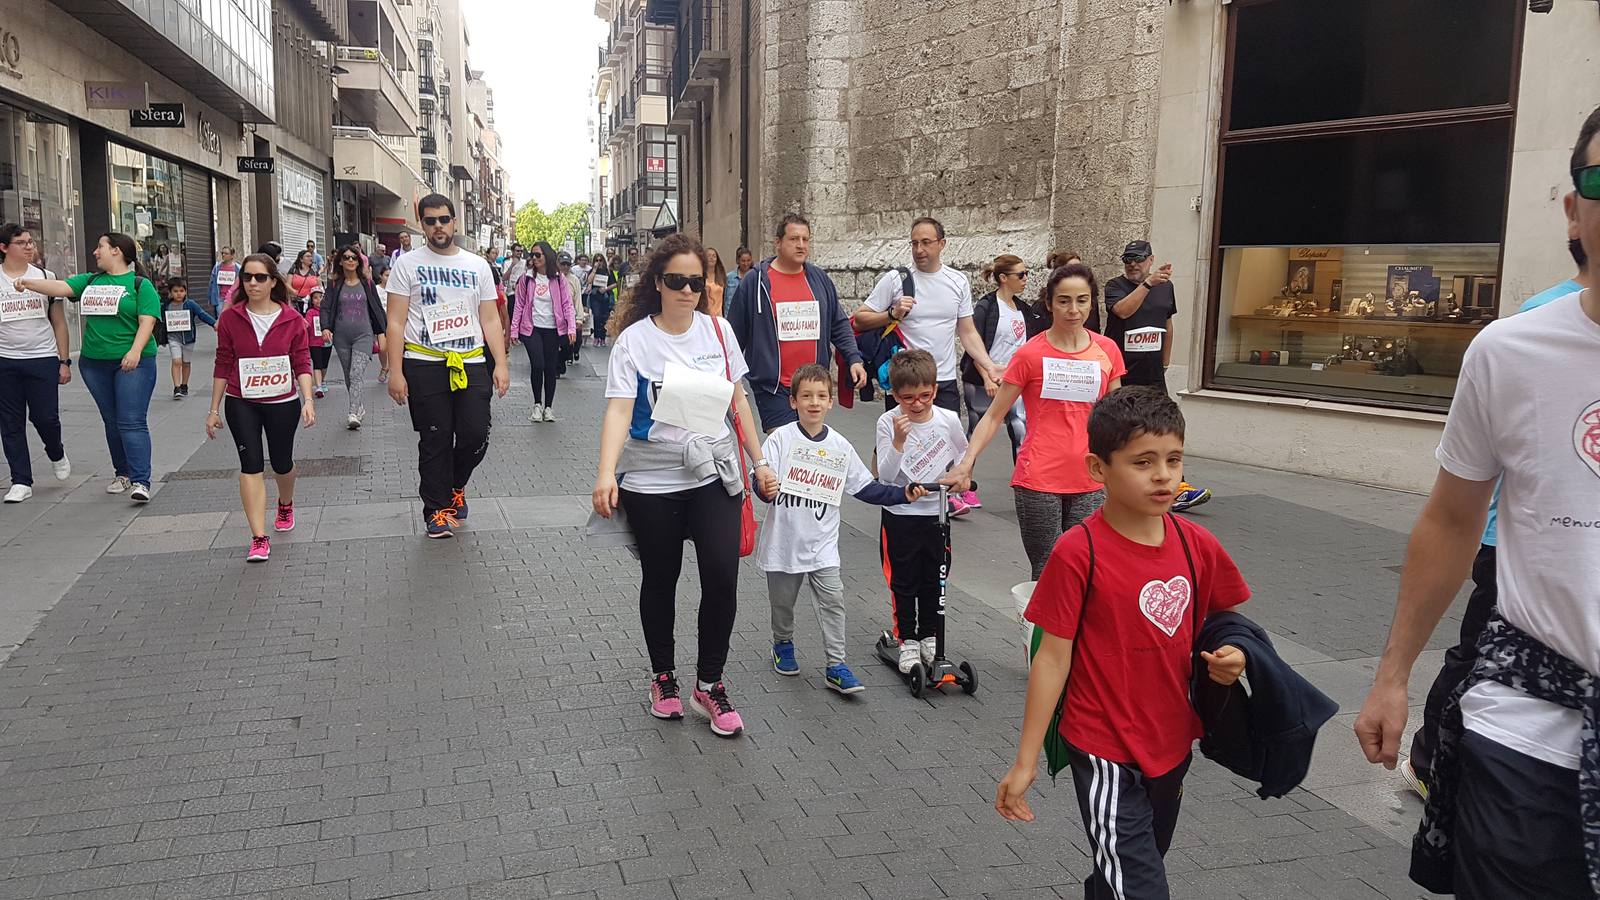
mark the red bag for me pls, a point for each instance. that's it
(747, 514)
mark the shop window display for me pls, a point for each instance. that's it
(147, 204)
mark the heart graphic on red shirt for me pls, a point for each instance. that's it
(1165, 603)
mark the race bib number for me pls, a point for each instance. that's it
(227, 277)
(449, 320)
(1071, 379)
(1143, 340)
(264, 377)
(178, 320)
(17, 307)
(799, 320)
(926, 459)
(601, 282)
(101, 299)
(813, 473)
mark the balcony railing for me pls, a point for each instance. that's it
(426, 86)
(367, 54)
(702, 53)
(430, 145)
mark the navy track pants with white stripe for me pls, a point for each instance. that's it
(1129, 819)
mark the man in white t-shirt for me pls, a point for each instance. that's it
(1506, 816)
(439, 298)
(516, 266)
(405, 246)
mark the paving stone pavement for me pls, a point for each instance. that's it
(371, 714)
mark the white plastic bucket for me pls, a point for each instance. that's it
(1021, 594)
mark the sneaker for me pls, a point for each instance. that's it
(442, 523)
(177, 393)
(841, 679)
(118, 485)
(664, 700)
(318, 393)
(139, 493)
(958, 507)
(1189, 497)
(260, 549)
(929, 649)
(538, 413)
(783, 658)
(549, 413)
(284, 521)
(1414, 781)
(910, 655)
(353, 422)
(458, 499)
(19, 493)
(714, 703)
(970, 498)
(61, 468)
(184, 388)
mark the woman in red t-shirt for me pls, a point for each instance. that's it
(1059, 374)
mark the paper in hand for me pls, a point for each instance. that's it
(693, 400)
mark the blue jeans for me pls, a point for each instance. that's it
(28, 391)
(124, 402)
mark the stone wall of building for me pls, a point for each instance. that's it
(1022, 125)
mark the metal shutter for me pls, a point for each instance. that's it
(199, 228)
(294, 229)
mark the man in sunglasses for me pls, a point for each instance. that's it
(516, 266)
(440, 358)
(1513, 799)
(787, 315)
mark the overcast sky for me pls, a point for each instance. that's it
(539, 57)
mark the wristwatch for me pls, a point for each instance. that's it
(759, 463)
(66, 362)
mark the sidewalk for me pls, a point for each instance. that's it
(371, 714)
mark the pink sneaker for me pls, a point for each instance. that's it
(958, 506)
(260, 549)
(716, 706)
(970, 498)
(664, 700)
(284, 521)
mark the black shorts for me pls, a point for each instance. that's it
(320, 357)
(247, 420)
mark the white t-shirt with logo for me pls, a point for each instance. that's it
(1527, 411)
(930, 449)
(1010, 333)
(544, 309)
(943, 298)
(29, 336)
(802, 535)
(459, 282)
(639, 359)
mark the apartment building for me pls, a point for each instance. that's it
(639, 199)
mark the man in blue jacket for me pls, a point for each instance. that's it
(786, 314)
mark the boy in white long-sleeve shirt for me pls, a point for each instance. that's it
(799, 542)
(916, 442)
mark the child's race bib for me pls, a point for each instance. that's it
(16, 307)
(264, 377)
(178, 320)
(812, 473)
(449, 320)
(101, 299)
(926, 457)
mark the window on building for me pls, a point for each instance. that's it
(1363, 190)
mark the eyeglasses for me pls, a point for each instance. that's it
(257, 277)
(1023, 274)
(1587, 181)
(676, 282)
(923, 244)
(431, 221)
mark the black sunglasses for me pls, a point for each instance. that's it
(1587, 181)
(676, 282)
(1023, 274)
(258, 277)
(348, 258)
(536, 255)
(437, 220)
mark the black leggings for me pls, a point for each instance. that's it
(544, 356)
(248, 419)
(710, 518)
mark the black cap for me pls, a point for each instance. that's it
(563, 257)
(1137, 250)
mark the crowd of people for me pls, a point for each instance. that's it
(718, 387)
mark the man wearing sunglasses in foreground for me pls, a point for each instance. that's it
(440, 356)
(1514, 802)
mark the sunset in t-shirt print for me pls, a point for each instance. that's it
(1165, 602)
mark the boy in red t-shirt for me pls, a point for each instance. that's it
(1120, 602)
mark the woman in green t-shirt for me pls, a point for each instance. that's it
(118, 360)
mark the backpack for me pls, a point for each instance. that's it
(878, 345)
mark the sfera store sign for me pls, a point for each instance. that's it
(157, 115)
(256, 164)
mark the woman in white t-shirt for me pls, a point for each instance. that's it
(665, 429)
(1005, 322)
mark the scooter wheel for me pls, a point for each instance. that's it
(918, 679)
(970, 685)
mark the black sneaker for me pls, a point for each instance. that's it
(442, 523)
(184, 388)
(177, 393)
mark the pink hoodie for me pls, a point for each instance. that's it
(560, 298)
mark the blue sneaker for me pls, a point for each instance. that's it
(1189, 497)
(841, 679)
(783, 658)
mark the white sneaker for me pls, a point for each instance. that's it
(353, 422)
(118, 485)
(538, 413)
(929, 648)
(62, 468)
(140, 493)
(549, 413)
(18, 493)
(910, 655)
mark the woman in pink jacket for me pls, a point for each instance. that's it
(543, 313)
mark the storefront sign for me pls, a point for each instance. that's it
(655, 164)
(297, 188)
(256, 164)
(210, 141)
(116, 94)
(158, 115)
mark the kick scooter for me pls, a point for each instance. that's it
(942, 673)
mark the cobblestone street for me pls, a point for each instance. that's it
(371, 714)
